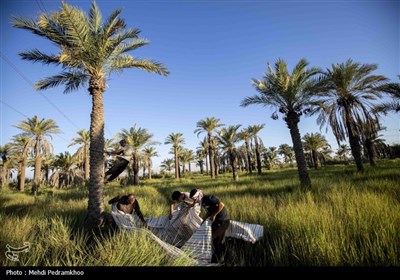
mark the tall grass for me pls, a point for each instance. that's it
(347, 219)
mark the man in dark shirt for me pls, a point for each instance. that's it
(217, 213)
(128, 203)
(121, 161)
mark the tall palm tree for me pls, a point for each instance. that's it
(203, 150)
(344, 102)
(38, 130)
(83, 151)
(175, 139)
(20, 147)
(313, 142)
(228, 136)
(137, 138)
(342, 151)
(90, 50)
(255, 129)
(209, 125)
(245, 134)
(288, 94)
(148, 153)
(5, 152)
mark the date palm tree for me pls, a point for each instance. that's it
(5, 152)
(175, 139)
(288, 94)
(313, 142)
(148, 153)
(89, 51)
(20, 147)
(137, 138)
(255, 129)
(245, 134)
(344, 102)
(38, 130)
(83, 151)
(209, 125)
(228, 136)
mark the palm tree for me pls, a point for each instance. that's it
(209, 125)
(287, 152)
(228, 136)
(342, 152)
(167, 164)
(313, 142)
(344, 102)
(255, 129)
(90, 50)
(137, 138)
(148, 153)
(288, 94)
(37, 130)
(175, 139)
(83, 151)
(245, 134)
(20, 147)
(5, 152)
(203, 151)
(271, 157)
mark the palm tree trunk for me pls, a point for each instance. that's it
(149, 167)
(86, 163)
(371, 154)
(315, 158)
(211, 156)
(136, 179)
(206, 165)
(248, 156)
(258, 156)
(292, 120)
(4, 172)
(176, 163)
(94, 217)
(38, 163)
(233, 161)
(355, 146)
(21, 183)
(216, 164)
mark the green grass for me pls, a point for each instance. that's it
(346, 219)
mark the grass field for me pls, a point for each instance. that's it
(346, 219)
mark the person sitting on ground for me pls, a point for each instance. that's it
(128, 203)
(121, 161)
(217, 213)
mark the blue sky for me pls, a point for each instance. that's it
(213, 49)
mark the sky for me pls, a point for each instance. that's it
(213, 49)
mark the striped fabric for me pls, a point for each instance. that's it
(197, 250)
(245, 231)
(199, 245)
(181, 232)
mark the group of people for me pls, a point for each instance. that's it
(194, 200)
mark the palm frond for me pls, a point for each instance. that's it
(128, 61)
(37, 56)
(72, 80)
(95, 18)
(76, 25)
